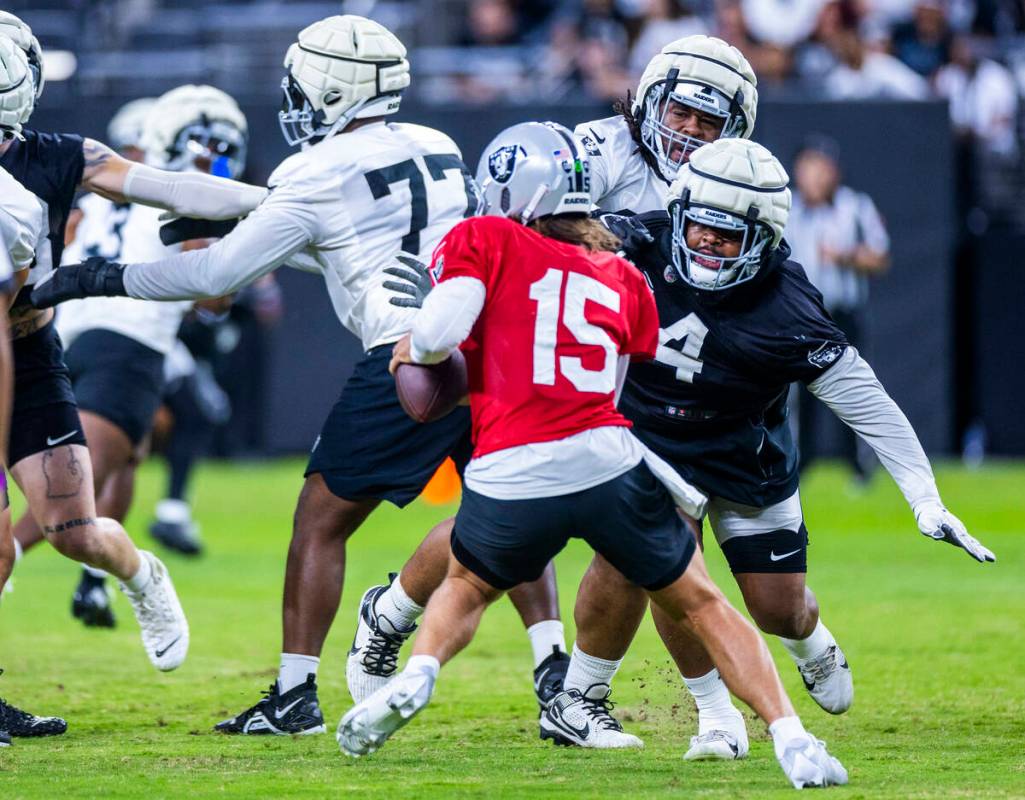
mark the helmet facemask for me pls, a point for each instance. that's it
(710, 272)
(217, 142)
(672, 148)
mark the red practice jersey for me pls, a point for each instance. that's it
(543, 355)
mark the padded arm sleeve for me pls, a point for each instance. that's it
(446, 319)
(191, 194)
(261, 243)
(850, 388)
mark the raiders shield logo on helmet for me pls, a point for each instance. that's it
(502, 163)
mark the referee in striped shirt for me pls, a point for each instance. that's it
(838, 235)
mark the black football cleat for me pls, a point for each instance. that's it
(91, 602)
(17, 723)
(177, 536)
(294, 713)
(5, 739)
(549, 675)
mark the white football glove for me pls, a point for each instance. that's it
(937, 523)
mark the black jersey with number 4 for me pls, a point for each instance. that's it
(50, 166)
(713, 402)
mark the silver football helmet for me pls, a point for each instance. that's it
(532, 170)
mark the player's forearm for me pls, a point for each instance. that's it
(191, 194)
(188, 194)
(446, 319)
(258, 246)
(850, 388)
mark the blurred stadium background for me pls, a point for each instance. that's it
(920, 96)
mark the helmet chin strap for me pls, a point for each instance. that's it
(528, 210)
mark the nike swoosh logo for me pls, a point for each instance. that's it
(774, 557)
(597, 138)
(565, 725)
(160, 653)
(51, 442)
(279, 713)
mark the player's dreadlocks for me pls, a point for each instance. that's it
(624, 107)
(576, 229)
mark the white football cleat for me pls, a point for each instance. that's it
(828, 680)
(807, 763)
(165, 631)
(719, 740)
(374, 655)
(585, 720)
(370, 724)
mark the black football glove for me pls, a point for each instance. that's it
(184, 228)
(413, 285)
(630, 231)
(94, 277)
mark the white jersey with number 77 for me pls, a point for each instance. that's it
(343, 208)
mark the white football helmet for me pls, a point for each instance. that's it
(736, 185)
(17, 92)
(342, 68)
(702, 72)
(194, 124)
(532, 170)
(125, 127)
(12, 27)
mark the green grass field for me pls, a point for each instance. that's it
(935, 640)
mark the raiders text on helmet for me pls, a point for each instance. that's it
(12, 27)
(192, 124)
(342, 68)
(702, 72)
(17, 92)
(532, 170)
(735, 185)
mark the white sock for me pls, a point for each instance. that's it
(585, 671)
(810, 647)
(397, 607)
(785, 730)
(294, 669)
(139, 580)
(18, 551)
(545, 637)
(715, 706)
(428, 665)
(96, 573)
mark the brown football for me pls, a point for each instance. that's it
(429, 392)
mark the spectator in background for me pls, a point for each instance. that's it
(923, 42)
(664, 21)
(773, 64)
(490, 23)
(589, 48)
(983, 98)
(782, 23)
(839, 237)
(861, 73)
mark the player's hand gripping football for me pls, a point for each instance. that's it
(400, 354)
(94, 277)
(412, 285)
(937, 523)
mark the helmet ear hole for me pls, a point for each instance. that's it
(331, 98)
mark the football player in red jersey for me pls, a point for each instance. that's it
(548, 322)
